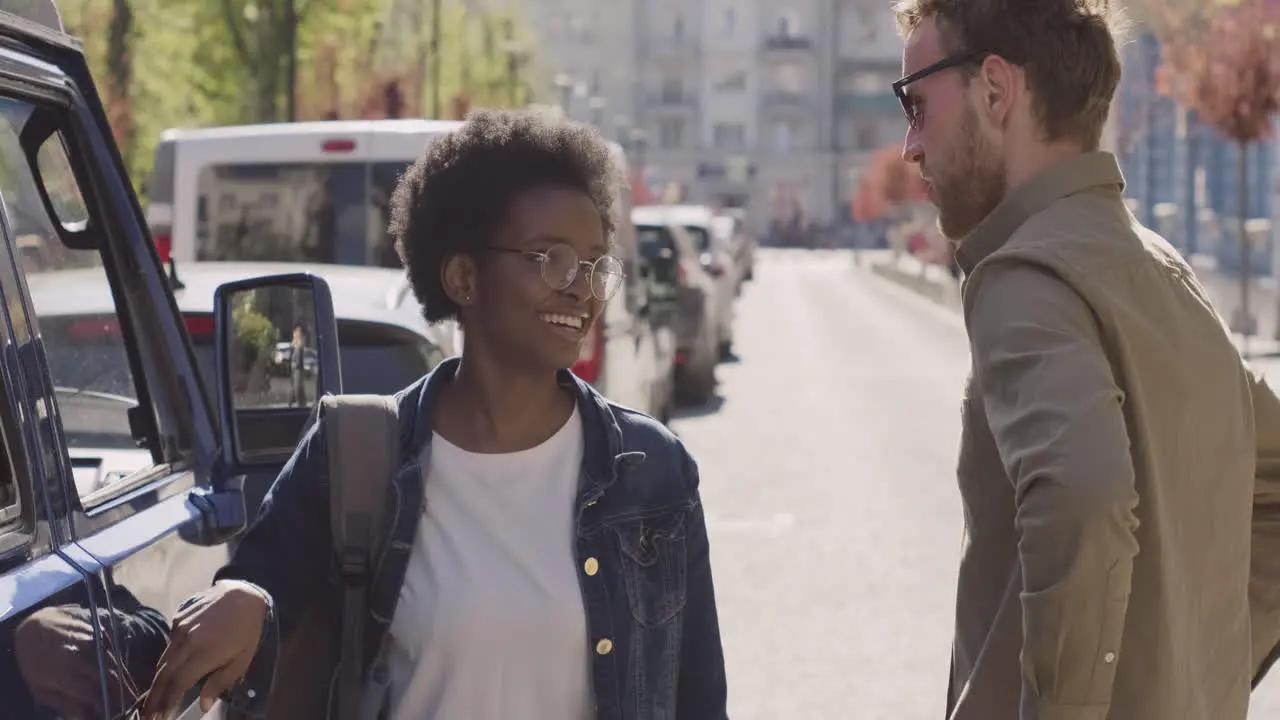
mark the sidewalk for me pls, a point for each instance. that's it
(929, 280)
(936, 284)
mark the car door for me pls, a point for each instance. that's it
(118, 390)
(51, 627)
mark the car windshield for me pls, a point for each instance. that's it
(297, 212)
(93, 369)
(653, 240)
(701, 236)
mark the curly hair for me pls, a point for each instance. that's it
(453, 198)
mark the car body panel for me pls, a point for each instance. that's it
(715, 255)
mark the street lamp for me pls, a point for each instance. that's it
(597, 105)
(622, 126)
(565, 84)
(639, 140)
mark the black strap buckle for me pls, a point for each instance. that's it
(353, 566)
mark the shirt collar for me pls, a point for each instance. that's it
(1082, 172)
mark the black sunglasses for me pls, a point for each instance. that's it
(909, 103)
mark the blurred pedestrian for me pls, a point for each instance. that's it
(298, 368)
(550, 554)
(1112, 433)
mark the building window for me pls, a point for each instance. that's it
(579, 29)
(672, 89)
(790, 79)
(783, 136)
(867, 136)
(729, 136)
(732, 83)
(871, 83)
(866, 24)
(671, 134)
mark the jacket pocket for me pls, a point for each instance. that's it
(654, 566)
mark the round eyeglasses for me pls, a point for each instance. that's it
(560, 265)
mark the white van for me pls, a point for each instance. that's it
(282, 192)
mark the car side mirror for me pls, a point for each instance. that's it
(276, 342)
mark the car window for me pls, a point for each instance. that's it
(297, 212)
(384, 178)
(94, 384)
(653, 240)
(700, 236)
(10, 504)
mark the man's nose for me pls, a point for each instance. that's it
(912, 152)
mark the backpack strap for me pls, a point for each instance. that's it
(362, 437)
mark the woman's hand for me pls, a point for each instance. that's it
(215, 637)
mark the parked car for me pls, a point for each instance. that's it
(627, 357)
(89, 581)
(385, 343)
(684, 296)
(714, 255)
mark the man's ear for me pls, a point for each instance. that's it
(458, 275)
(1000, 82)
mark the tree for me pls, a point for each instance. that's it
(885, 184)
(1222, 60)
(190, 63)
(119, 63)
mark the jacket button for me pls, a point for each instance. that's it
(604, 647)
(591, 566)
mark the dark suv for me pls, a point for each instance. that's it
(93, 563)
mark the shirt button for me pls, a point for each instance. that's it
(1109, 657)
(591, 566)
(604, 647)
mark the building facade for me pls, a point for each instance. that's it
(769, 106)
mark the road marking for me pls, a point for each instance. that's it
(775, 526)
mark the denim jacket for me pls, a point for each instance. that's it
(653, 631)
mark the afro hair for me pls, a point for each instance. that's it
(453, 198)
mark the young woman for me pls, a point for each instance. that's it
(554, 564)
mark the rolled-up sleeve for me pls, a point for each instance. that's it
(1056, 412)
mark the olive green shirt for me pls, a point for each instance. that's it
(1114, 449)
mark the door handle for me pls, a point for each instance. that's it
(222, 513)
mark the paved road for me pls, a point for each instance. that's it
(828, 473)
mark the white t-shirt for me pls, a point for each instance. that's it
(490, 623)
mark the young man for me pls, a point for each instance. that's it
(1118, 463)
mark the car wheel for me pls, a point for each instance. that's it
(700, 387)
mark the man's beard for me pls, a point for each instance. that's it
(970, 184)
